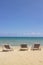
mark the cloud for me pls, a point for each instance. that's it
(34, 34)
(22, 34)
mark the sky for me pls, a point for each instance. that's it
(21, 18)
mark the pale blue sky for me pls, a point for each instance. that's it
(21, 17)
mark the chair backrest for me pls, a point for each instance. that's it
(36, 45)
(23, 45)
(7, 46)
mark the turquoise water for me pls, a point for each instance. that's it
(20, 40)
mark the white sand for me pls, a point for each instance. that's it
(17, 57)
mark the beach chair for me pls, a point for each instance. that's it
(23, 47)
(36, 47)
(7, 48)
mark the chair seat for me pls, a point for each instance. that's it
(36, 47)
(7, 48)
(23, 47)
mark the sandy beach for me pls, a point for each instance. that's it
(17, 57)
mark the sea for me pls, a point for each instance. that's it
(16, 41)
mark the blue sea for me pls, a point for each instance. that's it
(20, 40)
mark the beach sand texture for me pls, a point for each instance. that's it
(17, 57)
